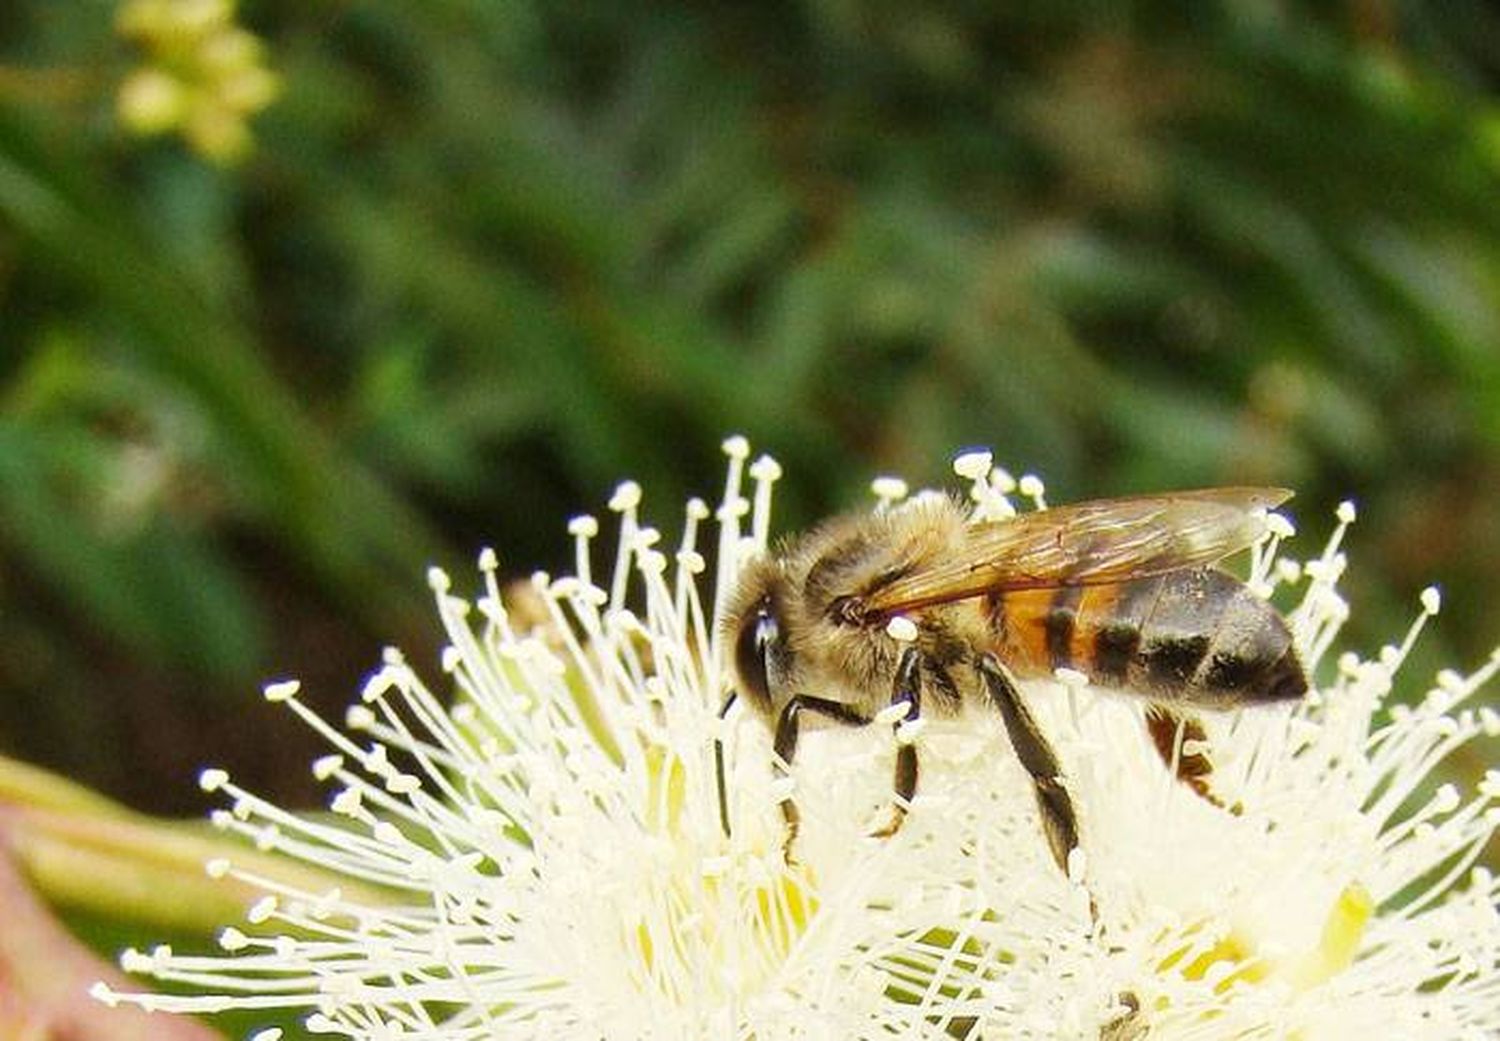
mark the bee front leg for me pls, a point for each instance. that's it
(906, 691)
(1059, 818)
(788, 727)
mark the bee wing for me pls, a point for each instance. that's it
(1088, 543)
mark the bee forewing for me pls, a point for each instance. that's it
(1088, 543)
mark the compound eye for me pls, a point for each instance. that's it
(757, 634)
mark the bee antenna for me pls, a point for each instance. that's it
(719, 766)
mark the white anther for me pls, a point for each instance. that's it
(285, 690)
(901, 629)
(627, 496)
(973, 465)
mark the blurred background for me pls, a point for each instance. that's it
(299, 298)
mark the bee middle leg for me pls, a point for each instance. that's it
(907, 691)
(1059, 818)
(788, 728)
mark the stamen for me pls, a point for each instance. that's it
(765, 471)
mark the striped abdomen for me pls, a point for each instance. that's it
(1196, 636)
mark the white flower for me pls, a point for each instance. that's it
(546, 858)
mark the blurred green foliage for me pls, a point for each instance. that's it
(487, 258)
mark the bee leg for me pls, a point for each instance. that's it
(719, 767)
(1130, 1024)
(1170, 731)
(907, 691)
(1059, 819)
(788, 724)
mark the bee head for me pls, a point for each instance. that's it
(762, 654)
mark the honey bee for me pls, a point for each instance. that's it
(1122, 590)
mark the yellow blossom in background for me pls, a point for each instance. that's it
(204, 76)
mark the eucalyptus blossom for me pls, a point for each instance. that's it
(545, 828)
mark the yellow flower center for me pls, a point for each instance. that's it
(720, 925)
(1235, 959)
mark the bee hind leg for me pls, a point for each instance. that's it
(1171, 733)
(907, 691)
(1059, 818)
(788, 727)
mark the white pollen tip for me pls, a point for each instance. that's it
(1432, 600)
(217, 868)
(283, 690)
(889, 488)
(403, 784)
(1278, 524)
(901, 629)
(584, 526)
(697, 509)
(765, 469)
(101, 992)
(261, 911)
(736, 447)
(326, 766)
(1031, 486)
(232, 939)
(438, 580)
(1346, 512)
(627, 496)
(973, 465)
(212, 779)
(359, 717)
(645, 538)
(269, 1034)
(1446, 799)
(489, 560)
